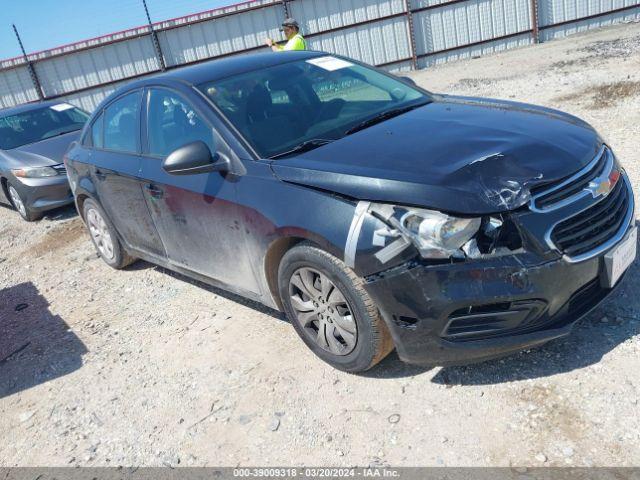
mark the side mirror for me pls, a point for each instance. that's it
(409, 80)
(194, 158)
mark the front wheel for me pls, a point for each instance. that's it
(331, 311)
(19, 204)
(104, 237)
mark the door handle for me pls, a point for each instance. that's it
(100, 175)
(154, 191)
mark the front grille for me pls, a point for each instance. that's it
(553, 194)
(60, 169)
(593, 227)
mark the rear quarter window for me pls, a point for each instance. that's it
(122, 124)
(94, 136)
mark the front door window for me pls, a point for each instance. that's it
(173, 123)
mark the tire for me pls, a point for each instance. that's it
(18, 203)
(104, 236)
(349, 335)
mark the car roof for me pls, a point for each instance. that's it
(212, 70)
(216, 69)
(227, 67)
(5, 112)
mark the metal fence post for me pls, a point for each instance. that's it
(32, 70)
(535, 30)
(154, 38)
(412, 34)
(285, 6)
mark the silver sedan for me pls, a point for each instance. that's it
(33, 141)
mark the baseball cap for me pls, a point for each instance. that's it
(290, 22)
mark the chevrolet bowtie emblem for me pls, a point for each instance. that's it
(602, 186)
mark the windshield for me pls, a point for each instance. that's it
(39, 124)
(307, 102)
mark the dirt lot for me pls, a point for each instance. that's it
(144, 367)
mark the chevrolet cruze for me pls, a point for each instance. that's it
(375, 214)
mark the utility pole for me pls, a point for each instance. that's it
(535, 29)
(32, 71)
(154, 38)
(412, 34)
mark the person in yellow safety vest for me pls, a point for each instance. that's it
(295, 40)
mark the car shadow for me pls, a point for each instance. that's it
(390, 367)
(257, 306)
(62, 213)
(589, 341)
(57, 214)
(35, 345)
(393, 367)
(612, 323)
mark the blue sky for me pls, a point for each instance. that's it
(45, 24)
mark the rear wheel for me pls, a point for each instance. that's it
(331, 311)
(104, 236)
(19, 204)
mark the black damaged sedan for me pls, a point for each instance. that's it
(375, 214)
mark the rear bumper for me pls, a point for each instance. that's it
(476, 310)
(40, 194)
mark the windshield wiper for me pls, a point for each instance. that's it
(303, 147)
(59, 134)
(382, 116)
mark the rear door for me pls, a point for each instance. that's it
(116, 164)
(196, 215)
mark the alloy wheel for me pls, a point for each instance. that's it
(100, 233)
(17, 201)
(323, 311)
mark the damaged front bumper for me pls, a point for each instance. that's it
(464, 312)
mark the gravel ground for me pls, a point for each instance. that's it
(145, 367)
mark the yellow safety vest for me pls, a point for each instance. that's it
(297, 42)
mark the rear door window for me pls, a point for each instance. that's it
(96, 139)
(122, 124)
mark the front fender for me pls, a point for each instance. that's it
(292, 211)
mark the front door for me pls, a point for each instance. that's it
(196, 215)
(116, 170)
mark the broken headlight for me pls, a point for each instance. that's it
(438, 235)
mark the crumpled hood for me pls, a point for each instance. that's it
(41, 154)
(457, 154)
